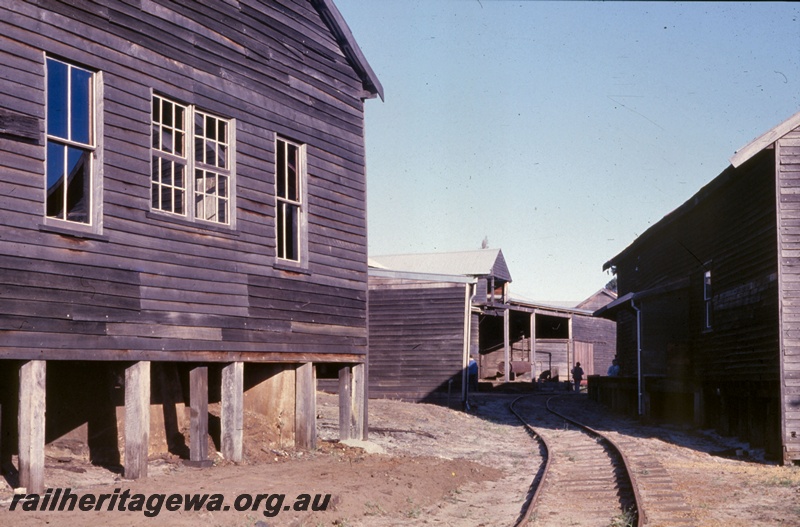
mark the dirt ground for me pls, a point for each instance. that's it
(436, 466)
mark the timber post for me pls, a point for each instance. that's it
(232, 411)
(137, 419)
(198, 421)
(345, 402)
(306, 407)
(359, 402)
(506, 345)
(31, 424)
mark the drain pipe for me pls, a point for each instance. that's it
(639, 354)
(469, 295)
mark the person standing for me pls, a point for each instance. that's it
(577, 376)
(472, 370)
(613, 370)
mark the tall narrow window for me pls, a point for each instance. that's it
(289, 192)
(70, 142)
(707, 299)
(201, 152)
(168, 187)
(211, 173)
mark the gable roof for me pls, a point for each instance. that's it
(482, 262)
(741, 156)
(330, 13)
(763, 141)
(601, 298)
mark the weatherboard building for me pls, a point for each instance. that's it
(708, 313)
(184, 225)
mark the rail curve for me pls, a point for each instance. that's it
(600, 464)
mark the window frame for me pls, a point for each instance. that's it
(708, 306)
(191, 165)
(93, 148)
(301, 203)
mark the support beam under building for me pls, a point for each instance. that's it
(232, 411)
(31, 424)
(198, 421)
(360, 402)
(137, 419)
(345, 402)
(306, 407)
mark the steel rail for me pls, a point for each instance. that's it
(541, 473)
(641, 515)
(539, 479)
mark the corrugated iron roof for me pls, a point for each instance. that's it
(481, 262)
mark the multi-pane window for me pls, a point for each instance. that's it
(211, 173)
(169, 156)
(289, 181)
(70, 142)
(200, 154)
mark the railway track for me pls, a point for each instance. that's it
(614, 482)
(584, 480)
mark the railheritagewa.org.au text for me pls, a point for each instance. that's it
(151, 505)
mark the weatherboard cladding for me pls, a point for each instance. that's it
(163, 289)
(752, 349)
(732, 233)
(788, 166)
(416, 334)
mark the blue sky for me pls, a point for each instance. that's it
(560, 131)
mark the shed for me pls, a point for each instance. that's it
(707, 313)
(184, 222)
(429, 313)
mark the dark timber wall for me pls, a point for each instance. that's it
(724, 376)
(417, 339)
(154, 287)
(98, 306)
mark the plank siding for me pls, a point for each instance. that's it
(734, 235)
(788, 178)
(416, 340)
(729, 227)
(157, 287)
(602, 334)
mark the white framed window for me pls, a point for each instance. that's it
(192, 166)
(290, 195)
(73, 161)
(707, 303)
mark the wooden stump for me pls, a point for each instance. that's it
(345, 402)
(231, 411)
(137, 419)
(306, 407)
(31, 425)
(198, 422)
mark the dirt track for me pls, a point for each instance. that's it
(440, 467)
